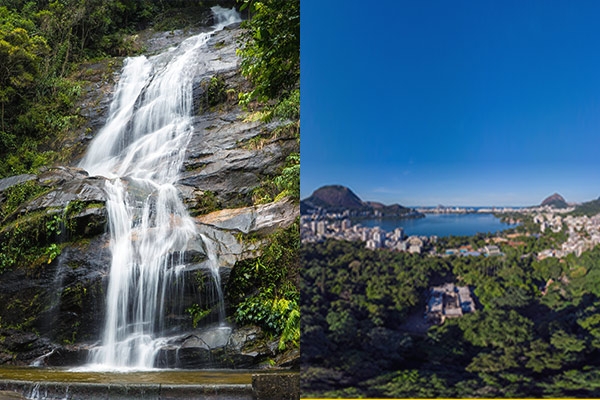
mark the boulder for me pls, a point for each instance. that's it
(63, 300)
(223, 228)
(262, 219)
(224, 347)
(88, 190)
(11, 181)
(18, 347)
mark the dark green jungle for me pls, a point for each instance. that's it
(535, 333)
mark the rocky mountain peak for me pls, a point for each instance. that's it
(336, 196)
(556, 201)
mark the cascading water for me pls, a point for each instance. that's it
(141, 150)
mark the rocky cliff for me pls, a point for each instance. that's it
(55, 249)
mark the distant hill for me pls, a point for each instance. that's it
(589, 208)
(335, 197)
(556, 201)
(338, 198)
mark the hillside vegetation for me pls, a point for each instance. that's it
(42, 48)
(535, 332)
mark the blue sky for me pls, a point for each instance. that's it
(451, 102)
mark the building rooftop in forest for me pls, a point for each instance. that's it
(448, 301)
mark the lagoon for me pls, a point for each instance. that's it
(441, 224)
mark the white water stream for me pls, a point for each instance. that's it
(141, 150)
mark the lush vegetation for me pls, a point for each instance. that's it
(42, 45)
(536, 331)
(270, 59)
(588, 208)
(270, 49)
(265, 291)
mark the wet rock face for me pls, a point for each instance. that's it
(263, 219)
(225, 228)
(217, 160)
(57, 295)
(62, 302)
(18, 347)
(227, 155)
(218, 347)
(62, 185)
(56, 308)
(77, 312)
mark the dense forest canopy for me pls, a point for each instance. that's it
(535, 332)
(42, 43)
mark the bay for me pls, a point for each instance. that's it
(441, 224)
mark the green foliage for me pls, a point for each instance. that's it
(41, 109)
(353, 301)
(496, 328)
(584, 382)
(197, 314)
(31, 240)
(287, 183)
(23, 157)
(524, 342)
(25, 242)
(181, 17)
(268, 311)
(55, 225)
(52, 251)
(207, 202)
(17, 195)
(270, 50)
(589, 208)
(215, 92)
(21, 55)
(270, 59)
(264, 193)
(411, 383)
(291, 328)
(264, 291)
(289, 107)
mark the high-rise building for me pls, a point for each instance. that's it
(321, 227)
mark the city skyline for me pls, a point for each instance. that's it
(459, 104)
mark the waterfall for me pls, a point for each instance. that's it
(141, 150)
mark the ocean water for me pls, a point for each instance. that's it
(441, 224)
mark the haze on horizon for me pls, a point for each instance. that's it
(465, 103)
